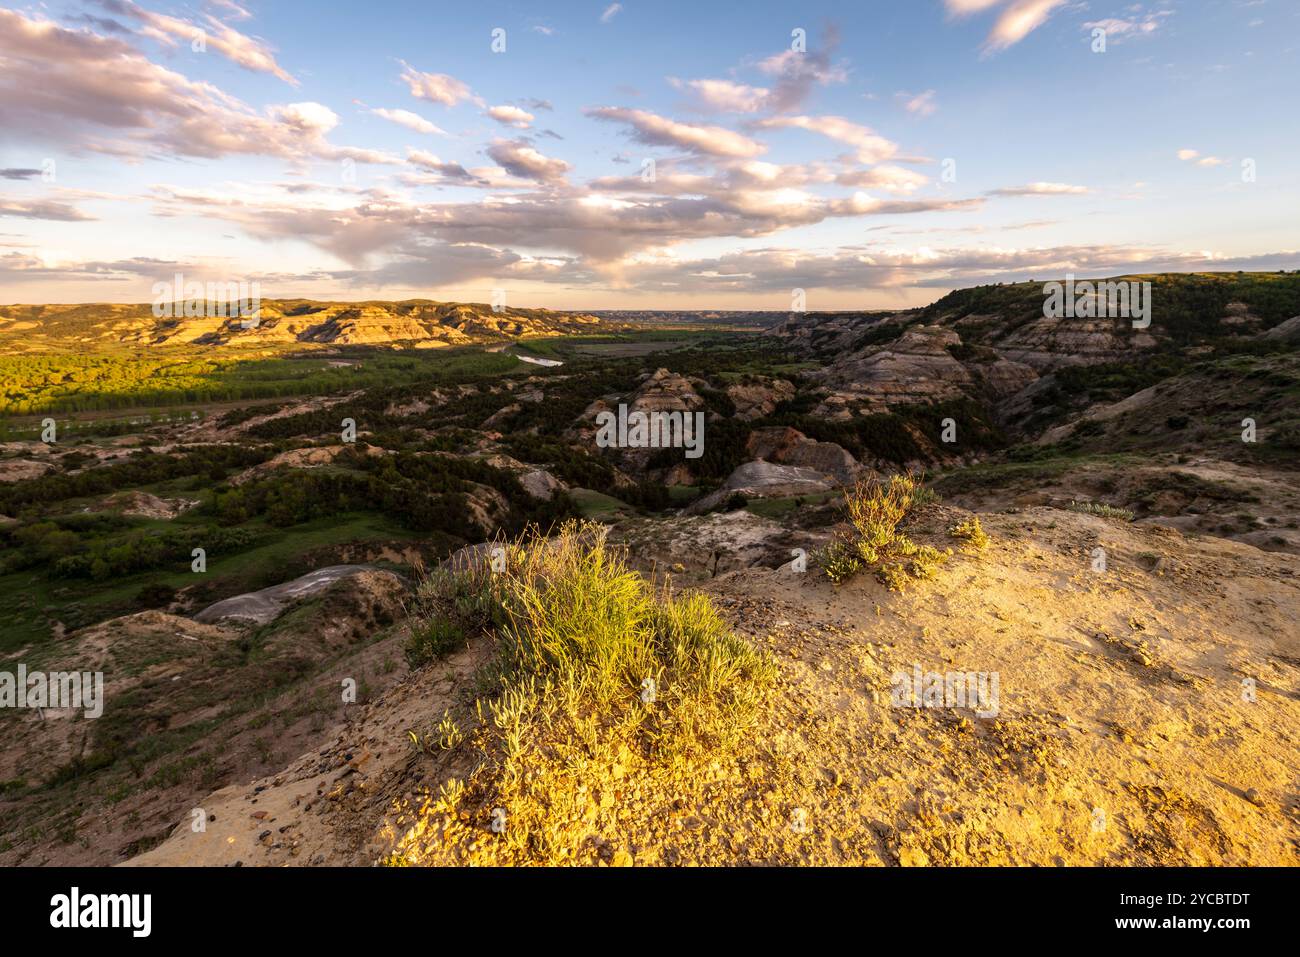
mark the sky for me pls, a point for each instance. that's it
(639, 155)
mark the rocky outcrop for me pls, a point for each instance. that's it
(915, 368)
(260, 607)
(541, 484)
(786, 446)
(1288, 331)
(759, 398)
(764, 480)
(308, 458)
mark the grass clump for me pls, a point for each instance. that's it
(450, 607)
(972, 533)
(599, 679)
(870, 539)
(1105, 511)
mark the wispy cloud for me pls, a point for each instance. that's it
(655, 130)
(41, 209)
(871, 147)
(249, 52)
(1040, 189)
(1017, 20)
(919, 104)
(1190, 155)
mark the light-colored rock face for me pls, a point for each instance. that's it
(915, 368)
(1047, 344)
(761, 479)
(262, 606)
(1288, 330)
(754, 400)
(1003, 377)
(541, 484)
(665, 391)
(786, 446)
(660, 392)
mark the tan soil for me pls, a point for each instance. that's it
(1123, 733)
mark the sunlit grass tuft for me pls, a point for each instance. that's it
(598, 675)
(870, 539)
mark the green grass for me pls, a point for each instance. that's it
(776, 508)
(1042, 464)
(29, 601)
(597, 505)
(161, 377)
(567, 712)
(1102, 510)
(680, 495)
(871, 538)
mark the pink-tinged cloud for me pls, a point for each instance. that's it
(412, 121)
(655, 130)
(249, 52)
(511, 116)
(724, 96)
(436, 87)
(870, 146)
(521, 159)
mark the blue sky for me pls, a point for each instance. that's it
(387, 150)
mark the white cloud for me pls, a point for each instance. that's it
(412, 121)
(1188, 155)
(1017, 20)
(76, 90)
(892, 179)
(435, 87)
(871, 147)
(724, 96)
(511, 116)
(611, 12)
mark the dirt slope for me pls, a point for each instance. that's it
(1124, 733)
